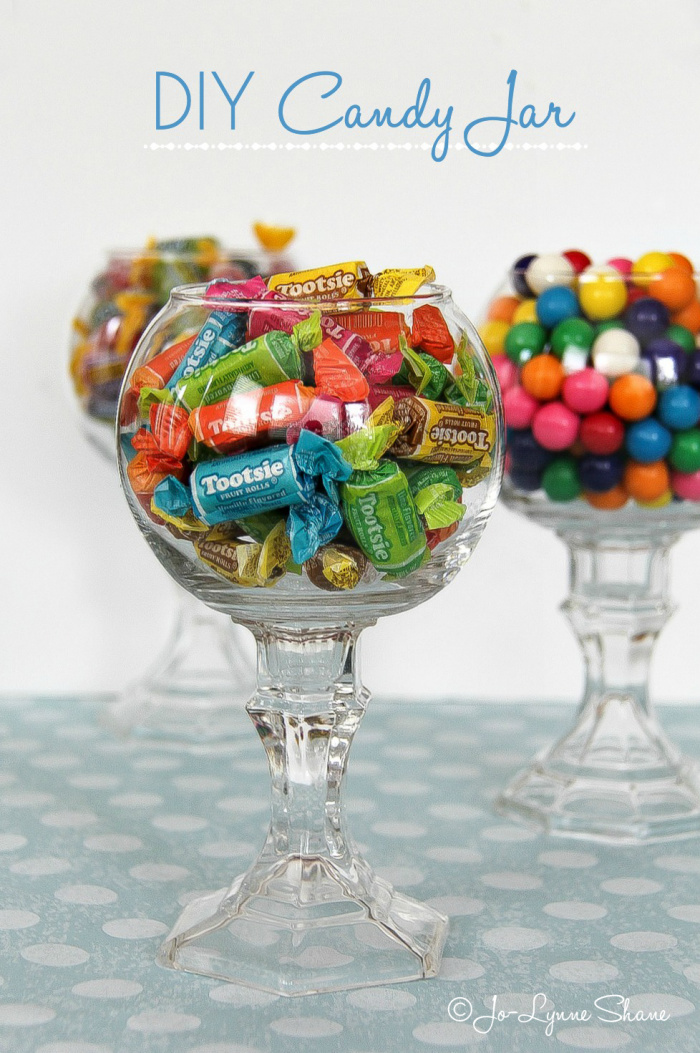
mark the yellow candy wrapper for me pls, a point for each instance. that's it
(339, 281)
(401, 282)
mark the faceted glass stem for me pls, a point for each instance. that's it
(614, 775)
(196, 685)
(309, 915)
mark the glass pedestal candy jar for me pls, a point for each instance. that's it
(307, 467)
(187, 695)
(600, 377)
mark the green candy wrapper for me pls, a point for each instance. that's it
(436, 490)
(382, 516)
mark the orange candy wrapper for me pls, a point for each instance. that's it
(223, 425)
(336, 375)
(430, 333)
(381, 329)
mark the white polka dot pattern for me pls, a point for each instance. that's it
(102, 843)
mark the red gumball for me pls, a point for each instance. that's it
(634, 293)
(602, 433)
(578, 260)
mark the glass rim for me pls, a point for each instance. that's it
(195, 295)
(603, 271)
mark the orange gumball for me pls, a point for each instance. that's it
(502, 309)
(542, 377)
(679, 260)
(675, 288)
(689, 316)
(632, 397)
(646, 482)
(611, 499)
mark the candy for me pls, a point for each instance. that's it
(556, 305)
(647, 319)
(685, 451)
(542, 377)
(600, 473)
(380, 511)
(615, 352)
(689, 317)
(578, 260)
(648, 440)
(681, 336)
(675, 288)
(430, 333)
(560, 479)
(517, 275)
(585, 391)
(443, 434)
(555, 426)
(602, 433)
(502, 309)
(525, 340)
(380, 329)
(686, 485)
(519, 407)
(437, 492)
(609, 500)
(247, 563)
(337, 567)
(493, 336)
(602, 292)
(506, 371)
(545, 271)
(337, 282)
(400, 282)
(572, 332)
(650, 264)
(632, 397)
(335, 374)
(526, 453)
(679, 407)
(646, 482)
(242, 416)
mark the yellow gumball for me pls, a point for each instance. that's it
(493, 335)
(525, 312)
(649, 264)
(602, 293)
(658, 502)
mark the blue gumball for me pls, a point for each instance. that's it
(648, 440)
(526, 454)
(679, 408)
(555, 305)
(646, 319)
(600, 474)
(692, 369)
(522, 479)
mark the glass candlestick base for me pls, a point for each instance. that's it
(197, 688)
(614, 776)
(309, 915)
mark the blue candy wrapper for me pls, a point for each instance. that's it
(172, 497)
(311, 525)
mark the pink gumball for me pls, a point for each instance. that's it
(519, 408)
(621, 264)
(555, 426)
(585, 391)
(686, 485)
(506, 371)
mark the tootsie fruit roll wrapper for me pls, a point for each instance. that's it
(338, 281)
(401, 282)
(382, 515)
(442, 433)
(249, 414)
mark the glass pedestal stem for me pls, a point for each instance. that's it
(310, 914)
(614, 776)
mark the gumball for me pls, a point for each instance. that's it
(658, 502)
(602, 292)
(646, 482)
(647, 319)
(560, 479)
(632, 397)
(600, 473)
(621, 264)
(615, 352)
(609, 323)
(517, 275)
(526, 453)
(675, 288)
(523, 341)
(555, 426)
(634, 293)
(506, 371)
(526, 311)
(602, 433)
(686, 485)
(502, 308)
(682, 262)
(649, 264)
(664, 362)
(556, 304)
(685, 451)
(692, 370)
(680, 335)
(689, 317)
(578, 260)
(542, 377)
(609, 500)
(586, 391)
(519, 408)
(574, 360)
(679, 408)
(548, 270)
(493, 335)
(572, 332)
(648, 440)
(522, 479)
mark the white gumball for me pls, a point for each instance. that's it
(616, 352)
(548, 270)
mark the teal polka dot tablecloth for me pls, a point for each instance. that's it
(101, 843)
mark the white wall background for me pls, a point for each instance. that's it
(84, 603)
